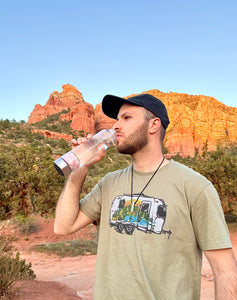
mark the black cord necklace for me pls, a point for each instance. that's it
(147, 182)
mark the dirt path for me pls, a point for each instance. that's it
(73, 278)
(67, 278)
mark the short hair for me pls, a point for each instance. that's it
(148, 115)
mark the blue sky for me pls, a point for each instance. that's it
(115, 47)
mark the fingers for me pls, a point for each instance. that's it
(102, 151)
(97, 157)
(80, 140)
(89, 135)
(76, 142)
(93, 156)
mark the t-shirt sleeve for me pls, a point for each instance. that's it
(208, 221)
(91, 203)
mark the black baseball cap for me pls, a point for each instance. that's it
(111, 106)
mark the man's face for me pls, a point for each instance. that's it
(131, 129)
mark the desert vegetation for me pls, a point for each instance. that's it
(12, 268)
(30, 184)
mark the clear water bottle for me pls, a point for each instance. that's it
(84, 152)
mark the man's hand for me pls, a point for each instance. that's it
(95, 155)
(80, 140)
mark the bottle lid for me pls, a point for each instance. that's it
(62, 167)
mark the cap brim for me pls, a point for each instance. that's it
(111, 105)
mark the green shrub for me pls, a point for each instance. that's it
(12, 269)
(25, 225)
(64, 145)
(29, 183)
(68, 248)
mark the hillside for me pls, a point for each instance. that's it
(28, 180)
(196, 121)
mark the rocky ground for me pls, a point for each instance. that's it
(71, 277)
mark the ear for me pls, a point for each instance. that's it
(154, 125)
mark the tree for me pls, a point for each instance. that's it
(28, 181)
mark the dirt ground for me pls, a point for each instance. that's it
(71, 277)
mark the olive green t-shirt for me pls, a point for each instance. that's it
(150, 245)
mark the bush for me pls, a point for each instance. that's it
(68, 248)
(64, 145)
(12, 269)
(28, 181)
(25, 225)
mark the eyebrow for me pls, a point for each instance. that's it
(124, 114)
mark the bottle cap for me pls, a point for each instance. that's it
(62, 167)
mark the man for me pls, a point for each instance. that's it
(156, 216)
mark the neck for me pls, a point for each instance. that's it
(148, 162)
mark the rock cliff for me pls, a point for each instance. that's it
(53, 135)
(80, 113)
(196, 121)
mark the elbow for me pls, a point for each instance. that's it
(57, 230)
(60, 230)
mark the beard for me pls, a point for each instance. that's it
(134, 141)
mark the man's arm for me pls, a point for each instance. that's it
(224, 269)
(69, 218)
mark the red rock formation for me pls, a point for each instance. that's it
(38, 114)
(65, 100)
(81, 114)
(57, 102)
(195, 120)
(101, 120)
(53, 135)
(83, 117)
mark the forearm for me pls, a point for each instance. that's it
(224, 268)
(67, 210)
(226, 286)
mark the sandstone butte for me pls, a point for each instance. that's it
(195, 120)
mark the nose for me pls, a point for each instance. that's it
(116, 125)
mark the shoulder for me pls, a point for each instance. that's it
(187, 176)
(193, 185)
(185, 171)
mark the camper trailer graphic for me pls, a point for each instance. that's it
(144, 213)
